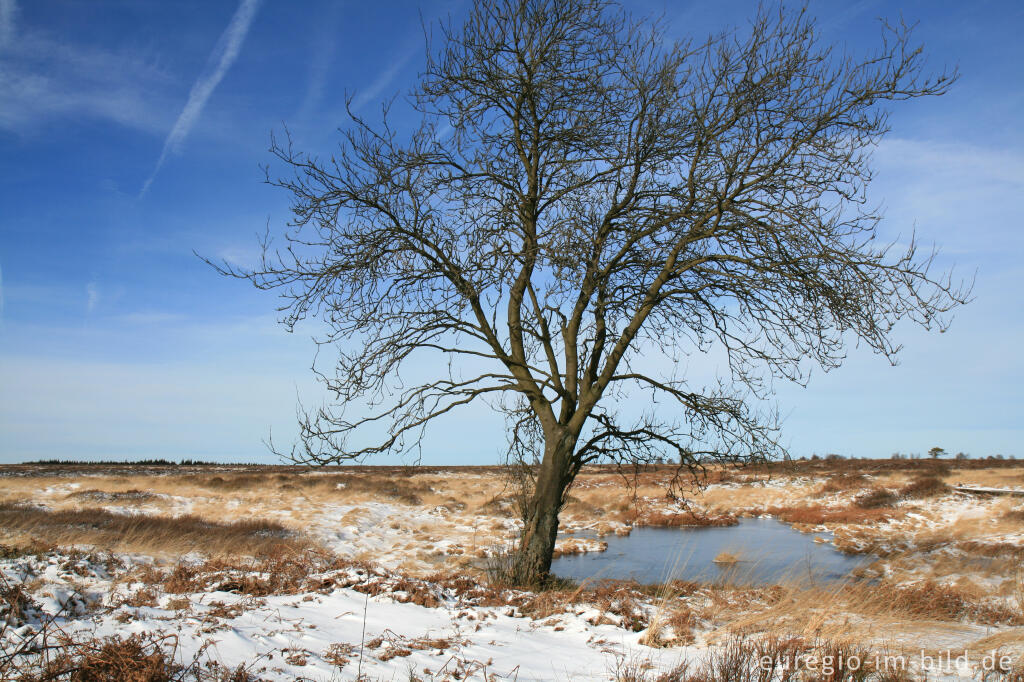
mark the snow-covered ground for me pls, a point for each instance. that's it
(334, 632)
(373, 613)
(353, 622)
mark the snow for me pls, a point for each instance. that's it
(311, 632)
(292, 635)
(342, 632)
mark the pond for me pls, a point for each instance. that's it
(768, 550)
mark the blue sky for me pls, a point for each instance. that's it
(131, 135)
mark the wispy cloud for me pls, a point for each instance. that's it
(46, 76)
(1, 296)
(321, 58)
(376, 88)
(958, 193)
(223, 56)
(8, 10)
(241, 256)
(92, 296)
(840, 19)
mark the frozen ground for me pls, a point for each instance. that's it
(359, 622)
(372, 611)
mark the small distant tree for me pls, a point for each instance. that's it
(962, 456)
(936, 452)
(584, 203)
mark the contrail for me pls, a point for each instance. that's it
(8, 8)
(224, 54)
(382, 81)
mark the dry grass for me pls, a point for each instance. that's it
(805, 617)
(946, 602)
(847, 480)
(1018, 588)
(673, 621)
(816, 515)
(139, 657)
(771, 659)
(1015, 515)
(691, 519)
(159, 535)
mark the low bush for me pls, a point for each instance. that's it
(924, 487)
(876, 499)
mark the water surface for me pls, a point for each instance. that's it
(770, 552)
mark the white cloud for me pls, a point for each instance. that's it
(224, 54)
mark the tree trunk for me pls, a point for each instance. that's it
(532, 563)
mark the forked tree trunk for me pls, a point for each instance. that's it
(532, 562)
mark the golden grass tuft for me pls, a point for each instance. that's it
(728, 558)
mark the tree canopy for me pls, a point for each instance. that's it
(582, 194)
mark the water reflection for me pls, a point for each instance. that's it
(767, 550)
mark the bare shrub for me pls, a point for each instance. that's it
(876, 499)
(924, 487)
(15, 603)
(137, 658)
(499, 505)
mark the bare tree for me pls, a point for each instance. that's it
(582, 203)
